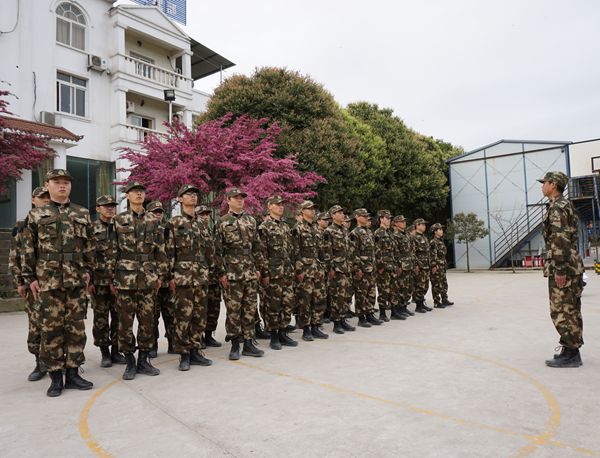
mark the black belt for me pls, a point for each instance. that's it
(191, 257)
(61, 256)
(242, 251)
(137, 257)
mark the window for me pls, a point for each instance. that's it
(70, 25)
(140, 121)
(91, 179)
(70, 94)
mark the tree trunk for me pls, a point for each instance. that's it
(468, 266)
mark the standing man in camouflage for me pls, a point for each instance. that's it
(404, 265)
(140, 270)
(191, 253)
(386, 267)
(277, 274)
(39, 198)
(365, 284)
(339, 260)
(106, 321)
(323, 220)
(310, 286)
(213, 302)
(58, 259)
(564, 269)
(240, 257)
(421, 277)
(439, 282)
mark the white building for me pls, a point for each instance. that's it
(498, 183)
(100, 71)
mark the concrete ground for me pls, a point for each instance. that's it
(468, 381)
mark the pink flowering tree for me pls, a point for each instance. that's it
(218, 155)
(18, 150)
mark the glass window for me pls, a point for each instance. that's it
(70, 25)
(91, 179)
(71, 93)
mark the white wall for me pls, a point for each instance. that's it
(580, 157)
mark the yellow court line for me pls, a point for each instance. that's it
(84, 428)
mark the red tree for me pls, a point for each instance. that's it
(218, 155)
(18, 150)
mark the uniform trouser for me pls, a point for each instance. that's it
(190, 317)
(240, 302)
(403, 286)
(34, 324)
(131, 304)
(439, 286)
(262, 305)
(63, 329)
(163, 305)
(565, 311)
(279, 302)
(311, 297)
(384, 289)
(339, 291)
(421, 285)
(365, 294)
(213, 306)
(106, 320)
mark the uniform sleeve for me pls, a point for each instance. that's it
(14, 256)
(379, 264)
(29, 250)
(220, 268)
(433, 254)
(327, 250)
(170, 245)
(261, 260)
(295, 236)
(89, 250)
(160, 254)
(560, 240)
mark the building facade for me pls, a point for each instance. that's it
(101, 72)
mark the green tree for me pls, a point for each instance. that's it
(467, 228)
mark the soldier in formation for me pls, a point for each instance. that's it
(439, 283)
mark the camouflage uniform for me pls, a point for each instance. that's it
(58, 254)
(439, 283)
(338, 258)
(404, 260)
(386, 267)
(191, 251)
(276, 243)
(311, 291)
(363, 242)
(421, 278)
(141, 264)
(560, 225)
(239, 251)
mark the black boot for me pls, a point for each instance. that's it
(337, 327)
(144, 366)
(210, 341)
(347, 326)
(56, 384)
(447, 303)
(105, 361)
(317, 333)
(170, 350)
(362, 322)
(396, 315)
(250, 350)
(260, 333)
(570, 357)
(198, 359)
(406, 311)
(275, 344)
(326, 317)
(130, 369)
(115, 356)
(420, 308)
(371, 318)
(429, 309)
(184, 362)
(74, 380)
(38, 371)
(350, 314)
(285, 340)
(153, 353)
(234, 353)
(383, 316)
(291, 327)
(307, 334)
(439, 305)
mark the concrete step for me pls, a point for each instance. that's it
(13, 304)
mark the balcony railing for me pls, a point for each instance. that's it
(135, 134)
(151, 72)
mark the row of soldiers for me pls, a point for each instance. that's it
(140, 265)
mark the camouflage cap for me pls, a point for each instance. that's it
(274, 200)
(307, 204)
(106, 200)
(235, 192)
(419, 221)
(384, 213)
(435, 227)
(398, 218)
(347, 218)
(201, 209)
(132, 185)
(411, 228)
(187, 187)
(155, 205)
(58, 173)
(335, 209)
(558, 178)
(324, 216)
(39, 191)
(361, 212)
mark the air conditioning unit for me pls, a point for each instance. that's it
(47, 118)
(97, 63)
(130, 106)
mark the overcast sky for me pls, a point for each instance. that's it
(468, 72)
